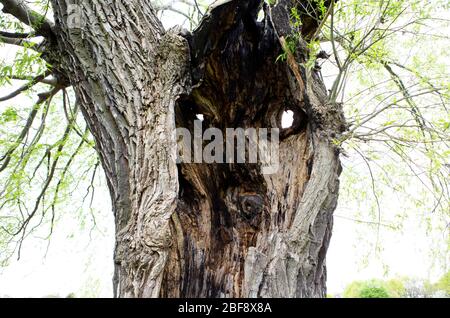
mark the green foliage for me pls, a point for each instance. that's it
(353, 289)
(313, 49)
(393, 82)
(444, 284)
(8, 115)
(404, 287)
(374, 289)
(295, 19)
(395, 288)
(373, 292)
(320, 5)
(46, 154)
(367, 289)
(291, 47)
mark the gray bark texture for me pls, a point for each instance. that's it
(205, 230)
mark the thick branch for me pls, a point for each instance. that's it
(17, 8)
(17, 35)
(18, 41)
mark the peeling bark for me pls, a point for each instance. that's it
(205, 230)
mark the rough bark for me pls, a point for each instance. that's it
(205, 230)
(127, 74)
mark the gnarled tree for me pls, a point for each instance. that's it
(202, 230)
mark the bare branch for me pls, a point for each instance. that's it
(374, 192)
(25, 87)
(47, 182)
(48, 80)
(336, 56)
(423, 78)
(42, 98)
(71, 117)
(398, 81)
(392, 227)
(62, 178)
(19, 42)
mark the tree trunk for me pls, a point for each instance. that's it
(205, 230)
